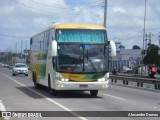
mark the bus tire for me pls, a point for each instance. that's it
(94, 92)
(36, 85)
(51, 91)
(13, 74)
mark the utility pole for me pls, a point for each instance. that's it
(26, 44)
(16, 52)
(105, 13)
(144, 25)
(159, 43)
(10, 56)
(21, 48)
(16, 48)
(144, 31)
(26, 53)
(159, 39)
(150, 38)
(146, 39)
(105, 25)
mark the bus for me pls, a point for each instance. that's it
(71, 57)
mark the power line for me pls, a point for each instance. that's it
(136, 36)
(92, 12)
(74, 3)
(152, 37)
(41, 9)
(49, 5)
(152, 28)
(130, 38)
(12, 36)
(84, 3)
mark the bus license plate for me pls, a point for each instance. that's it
(83, 86)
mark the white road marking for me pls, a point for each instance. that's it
(52, 101)
(155, 107)
(2, 108)
(114, 96)
(120, 98)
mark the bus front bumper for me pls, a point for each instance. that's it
(81, 85)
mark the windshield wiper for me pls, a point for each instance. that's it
(78, 61)
(94, 68)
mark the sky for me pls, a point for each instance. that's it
(20, 19)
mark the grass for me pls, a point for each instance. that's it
(1, 116)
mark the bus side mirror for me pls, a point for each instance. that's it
(54, 48)
(113, 48)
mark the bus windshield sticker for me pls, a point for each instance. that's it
(86, 47)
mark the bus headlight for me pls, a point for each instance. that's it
(101, 80)
(62, 79)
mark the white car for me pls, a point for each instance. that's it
(126, 69)
(20, 68)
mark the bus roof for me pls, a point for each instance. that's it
(78, 26)
(73, 26)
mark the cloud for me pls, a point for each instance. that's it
(125, 18)
(7, 11)
(119, 10)
(40, 22)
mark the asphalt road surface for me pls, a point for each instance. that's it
(18, 94)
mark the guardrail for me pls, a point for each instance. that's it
(139, 80)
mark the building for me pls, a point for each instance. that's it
(125, 57)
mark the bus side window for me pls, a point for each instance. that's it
(52, 34)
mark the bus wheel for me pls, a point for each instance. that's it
(94, 92)
(53, 92)
(36, 85)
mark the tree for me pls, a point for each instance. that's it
(136, 47)
(152, 56)
(121, 47)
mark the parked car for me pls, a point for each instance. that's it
(5, 65)
(126, 69)
(11, 66)
(1, 64)
(20, 68)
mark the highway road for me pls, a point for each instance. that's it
(18, 94)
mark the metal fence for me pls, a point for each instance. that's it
(139, 80)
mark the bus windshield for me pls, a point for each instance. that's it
(81, 58)
(90, 36)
